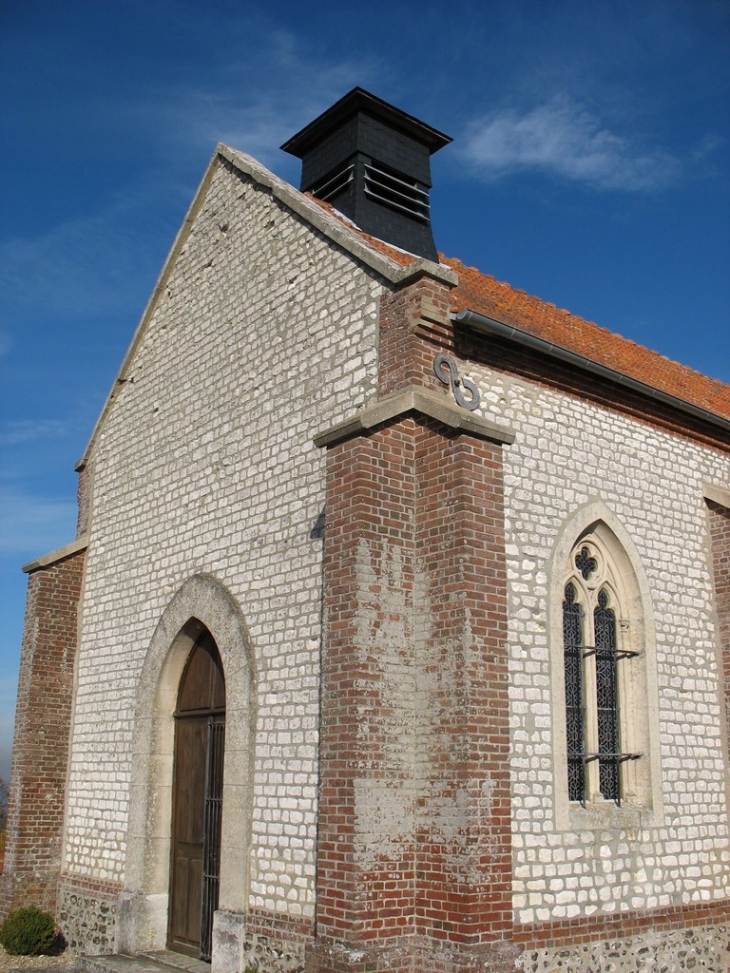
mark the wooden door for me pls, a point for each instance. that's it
(197, 800)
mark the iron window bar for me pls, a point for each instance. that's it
(618, 757)
(610, 759)
(589, 650)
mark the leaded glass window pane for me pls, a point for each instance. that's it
(607, 698)
(573, 654)
(585, 563)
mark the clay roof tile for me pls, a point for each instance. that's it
(488, 296)
(492, 298)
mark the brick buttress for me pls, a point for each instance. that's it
(414, 847)
(42, 726)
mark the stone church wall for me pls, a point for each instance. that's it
(206, 467)
(208, 491)
(674, 854)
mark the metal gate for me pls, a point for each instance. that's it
(212, 832)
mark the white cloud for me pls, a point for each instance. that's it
(15, 432)
(32, 526)
(87, 266)
(560, 137)
(277, 82)
(83, 266)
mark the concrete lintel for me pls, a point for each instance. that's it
(58, 555)
(331, 227)
(415, 399)
(718, 494)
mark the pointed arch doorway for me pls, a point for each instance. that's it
(197, 799)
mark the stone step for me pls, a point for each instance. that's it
(163, 961)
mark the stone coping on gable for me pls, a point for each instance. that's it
(335, 228)
(415, 399)
(80, 544)
(719, 495)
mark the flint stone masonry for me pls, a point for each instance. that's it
(569, 453)
(671, 952)
(382, 573)
(88, 921)
(236, 422)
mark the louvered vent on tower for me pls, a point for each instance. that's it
(373, 163)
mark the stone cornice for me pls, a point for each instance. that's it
(80, 544)
(718, 495)
(415, 399)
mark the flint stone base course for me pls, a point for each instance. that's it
(704, 949)
(411, 954)
(88, 920)
(266, 944)
(270, 942)
(266, 953)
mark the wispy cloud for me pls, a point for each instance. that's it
(562, 138)
(83, 266)
(260, 101)
(31, 525)
(16, 432)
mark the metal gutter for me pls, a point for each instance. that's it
(487, 325)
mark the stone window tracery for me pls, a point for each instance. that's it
(596, 648)
(603, 643)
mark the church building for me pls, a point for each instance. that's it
(395, 635)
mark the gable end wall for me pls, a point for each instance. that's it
(264, 332)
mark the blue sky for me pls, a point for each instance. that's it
(589, 166)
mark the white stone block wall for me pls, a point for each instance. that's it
(568, 453)
(264, 335)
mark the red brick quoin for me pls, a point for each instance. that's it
(42, 722)
(414, 829)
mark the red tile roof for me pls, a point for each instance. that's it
(486, 295)
(401, 257)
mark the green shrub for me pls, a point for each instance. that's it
(28, 932)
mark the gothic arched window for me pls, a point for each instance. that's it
(595, 648)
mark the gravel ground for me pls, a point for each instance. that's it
(54, 964)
